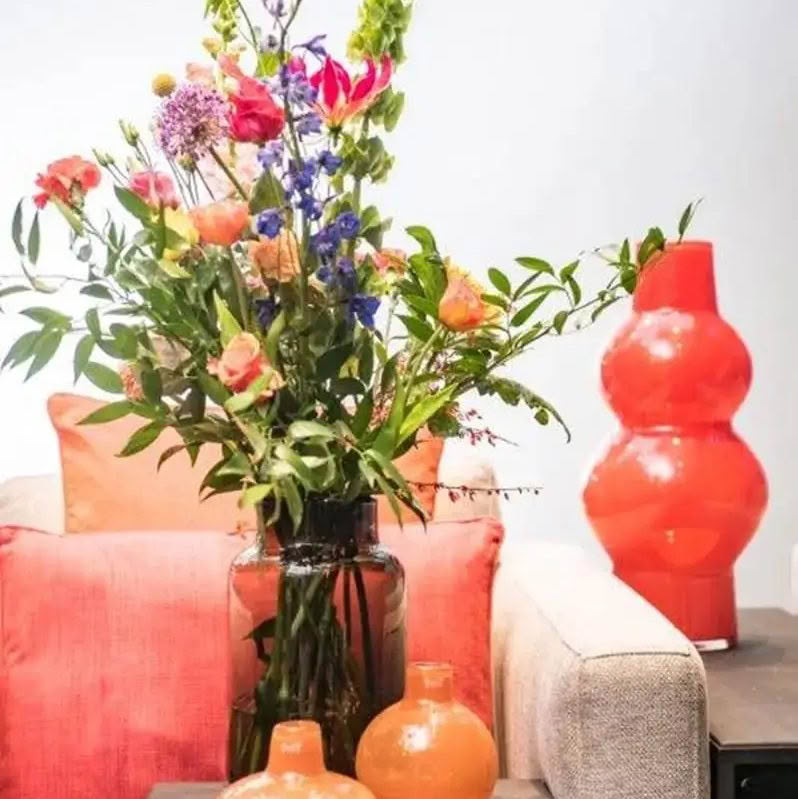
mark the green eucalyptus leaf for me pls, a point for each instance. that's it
(141, 439)
(34, 240)
(93, 323)
(21, 349)
(48, 317)
(103, 377)
(132, 203)
(9, 290)
(71, 217)
(108, 413)
(46, 346)
(98, 291)
(83, 352)
(16, 229)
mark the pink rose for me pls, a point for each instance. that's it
(155, 188)
(199, 73)
(242, 363)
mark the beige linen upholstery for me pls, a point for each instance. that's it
(36, 502)
(596, 692)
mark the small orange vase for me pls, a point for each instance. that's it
(428, 746)
(678, 495)
(296, 770)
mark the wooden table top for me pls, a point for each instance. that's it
(506, 789)
(753, 690)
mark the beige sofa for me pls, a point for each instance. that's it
(596, 694)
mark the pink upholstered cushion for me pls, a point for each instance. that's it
(114, 650)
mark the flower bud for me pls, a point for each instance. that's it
(163, 84)
(213, 44)
(130, 133)
(100, 157)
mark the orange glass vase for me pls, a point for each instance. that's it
(427, 746)
(296, 770)
(678, 495)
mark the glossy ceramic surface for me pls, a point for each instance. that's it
(678, 494)
(428, 746)
(296, 770)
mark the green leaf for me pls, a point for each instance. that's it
(560, 318)
(47, 317)
(346, 386)
(684, 220)
(273, 338)
(421, 304)
(535, 264)
(238, 463)
(141, 439)
(495, 299)
(388, 468)
(16, 229)
(330, 363)
(422, 411)
(43, 351)
(293, 501)
(654, 241)
(71, 217)
(9, 290)
(388, 437)
(168, 453)
(424, 237)
(298, 466)
(308, 429)
(603, 307)
(542, 416)
(173, 269)
(629, 279)
(125, 340)
(84, 253)
(93, 323)
(625, 255)
(98, 291)
(528, 310)
(240, 402)
(576, 291)
(363, 415)
(421, 330)
(267, 193)
(152, 385)
(108, 413)
(567, 271)
(228, 325)
(21, 349)
(34, 240)
(256, 439)
(214, 389)
(500, 281)
(134, 204)
(103, 377)
(83, 352)
(394, 111)
(253, 495)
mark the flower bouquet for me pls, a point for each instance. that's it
(253, 307)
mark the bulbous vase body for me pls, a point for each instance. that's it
(296, 770)
(428, 746)
(678, 494)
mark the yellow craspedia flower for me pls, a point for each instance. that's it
(213, 44)
(163, 84)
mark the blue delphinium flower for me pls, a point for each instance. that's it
(310, 206)
(343, 276)
(293, 85)
(364, 308)
(348, 224)
(300, 178)
(315, 45)
(275, 7)
(270, 222)
(271, 154)
(266, 311)
(308, 123)
(329, 162)
(326, 242)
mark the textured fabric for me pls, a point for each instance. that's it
(115, 656)
(597, 693)
(418, 465)
(450, 569)
(103, 492)
(793, 602)
(113, 662)
(36, 502)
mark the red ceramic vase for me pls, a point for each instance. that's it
(678, 495)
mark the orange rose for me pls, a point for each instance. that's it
(278, 258)
(390, 260)
(462, 308)
(242, 363)
(68, 179)
(222, 222)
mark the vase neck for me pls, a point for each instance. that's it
(682, 277)
(296, 747)
(430, 681)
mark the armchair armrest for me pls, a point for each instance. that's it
(36, 502)
(595, 692)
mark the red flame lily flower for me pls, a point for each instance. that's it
(340, 98)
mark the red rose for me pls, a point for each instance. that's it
(68, 179)
(256, 118)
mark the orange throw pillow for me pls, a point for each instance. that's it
(103, 492)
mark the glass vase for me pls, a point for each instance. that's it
(317, 620)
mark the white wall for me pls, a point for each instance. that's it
(532, 128)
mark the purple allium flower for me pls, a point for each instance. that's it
(191, 121)
(315, 45)
(310, 206)
(308, 124)
(330, 163)
(270, 223)
(364, 308)
(271, 154)
(266, 311)
(348, 225)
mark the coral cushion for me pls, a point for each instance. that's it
(104, 492)
(114, 652)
